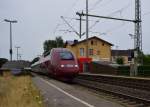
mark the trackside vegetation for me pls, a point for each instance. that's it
(18, 91)
(2, 61)
(143, 71)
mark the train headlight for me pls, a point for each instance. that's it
(76, 65)
(62, 66)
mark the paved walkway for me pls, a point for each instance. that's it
(59, 94)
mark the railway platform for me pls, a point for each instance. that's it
(60, 94)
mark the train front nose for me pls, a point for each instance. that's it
(69, 69)
(68, 64)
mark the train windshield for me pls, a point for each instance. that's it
(66, 55)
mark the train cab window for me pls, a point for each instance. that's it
(66, 56)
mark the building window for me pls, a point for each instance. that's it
(90, 51)
(81, 51)
(91, 42)
(103, 44)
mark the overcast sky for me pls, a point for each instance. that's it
(39, 20)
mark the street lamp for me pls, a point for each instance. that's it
(10, 21)
(17, 47)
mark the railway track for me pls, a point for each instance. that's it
(131, 91)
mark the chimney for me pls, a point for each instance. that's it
(75, 41)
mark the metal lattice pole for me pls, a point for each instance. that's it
(87, 29)
(138, 36)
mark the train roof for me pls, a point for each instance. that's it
(47, 57)
(41, 60)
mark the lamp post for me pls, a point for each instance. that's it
(10, 21)
(17, 47)
(19, 56)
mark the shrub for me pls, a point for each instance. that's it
(120, 60)
(2, 61)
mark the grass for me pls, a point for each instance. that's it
(18, 91)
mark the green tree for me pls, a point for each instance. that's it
(49, 44)
(59, 41)
(2, 61)
(146, 59)
(120, 60)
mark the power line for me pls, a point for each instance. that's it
(111, 14)
(95, 4)
(71, 18)
(1, 21)
(98, 33)
(71, 7)
(121, 10)
(94, 24)
(110, 30)
(69, 25)
(57, 26)
(97, 21)
(116, 28)
(107, 2)
(102, 5)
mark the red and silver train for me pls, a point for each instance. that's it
(59, 62)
